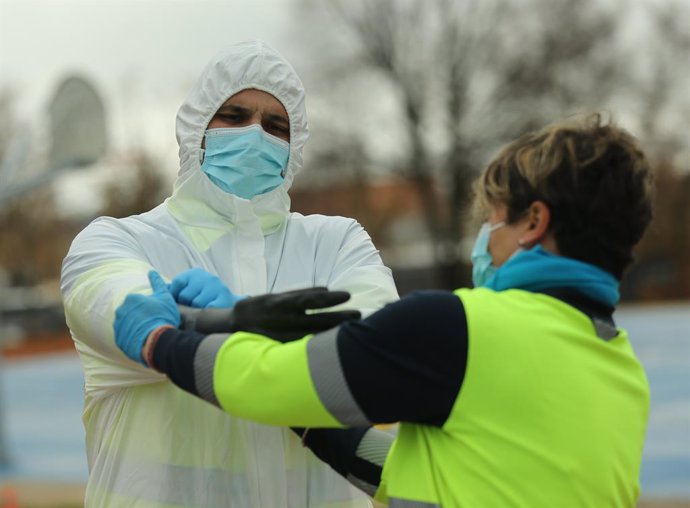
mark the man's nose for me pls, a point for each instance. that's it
(255, 118)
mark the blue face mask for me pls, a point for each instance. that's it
(245, 161)
(482, 263)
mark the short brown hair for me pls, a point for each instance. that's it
(594, 178)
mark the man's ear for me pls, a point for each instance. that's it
(538, 221)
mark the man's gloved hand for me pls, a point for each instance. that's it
(140, 314)
(281, 316)
(198, 288)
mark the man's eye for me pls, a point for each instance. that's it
(282, 129)
(231, 118)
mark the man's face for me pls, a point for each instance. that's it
(253, 107)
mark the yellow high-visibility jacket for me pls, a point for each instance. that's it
(507, 398)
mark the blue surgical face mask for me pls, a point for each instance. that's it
(245, 161)
(482, 263)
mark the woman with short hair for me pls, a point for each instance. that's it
(520, 392)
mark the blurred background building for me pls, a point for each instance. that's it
(407, 100)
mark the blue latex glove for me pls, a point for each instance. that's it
(200, 289)
(140, 314)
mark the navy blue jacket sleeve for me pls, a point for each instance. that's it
(407, 361)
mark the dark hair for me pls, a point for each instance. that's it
(593, 177)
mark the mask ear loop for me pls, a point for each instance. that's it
(284, 171)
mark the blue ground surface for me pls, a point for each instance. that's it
(42, 407)
(43, 400)
(661, 338)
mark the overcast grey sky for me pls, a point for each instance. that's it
(134, 50)
(142, 55)
(157, 39)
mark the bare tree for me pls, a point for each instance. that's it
(34, 238)
(468, 75)
(7, 119)
(141, 191)
(664, 79)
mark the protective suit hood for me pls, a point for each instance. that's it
(201, 457)
(196, 200)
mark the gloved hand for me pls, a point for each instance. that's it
(198, 288)
(280, 316)
(140, 314)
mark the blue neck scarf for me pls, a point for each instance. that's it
(537, 270)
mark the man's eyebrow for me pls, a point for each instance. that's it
(232, 108)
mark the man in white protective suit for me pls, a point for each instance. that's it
(241, 132)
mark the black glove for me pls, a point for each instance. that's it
(280, 316)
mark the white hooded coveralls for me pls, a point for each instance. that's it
(149, 444)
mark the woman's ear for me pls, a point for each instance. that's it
(538, 221)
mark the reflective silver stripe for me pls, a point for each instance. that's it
(604, 330)
(204, 362)
(329, 380)
(405, 503)
(365, 487)
(372, 449)
(374, 446)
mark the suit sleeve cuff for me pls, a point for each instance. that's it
(174, 354)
